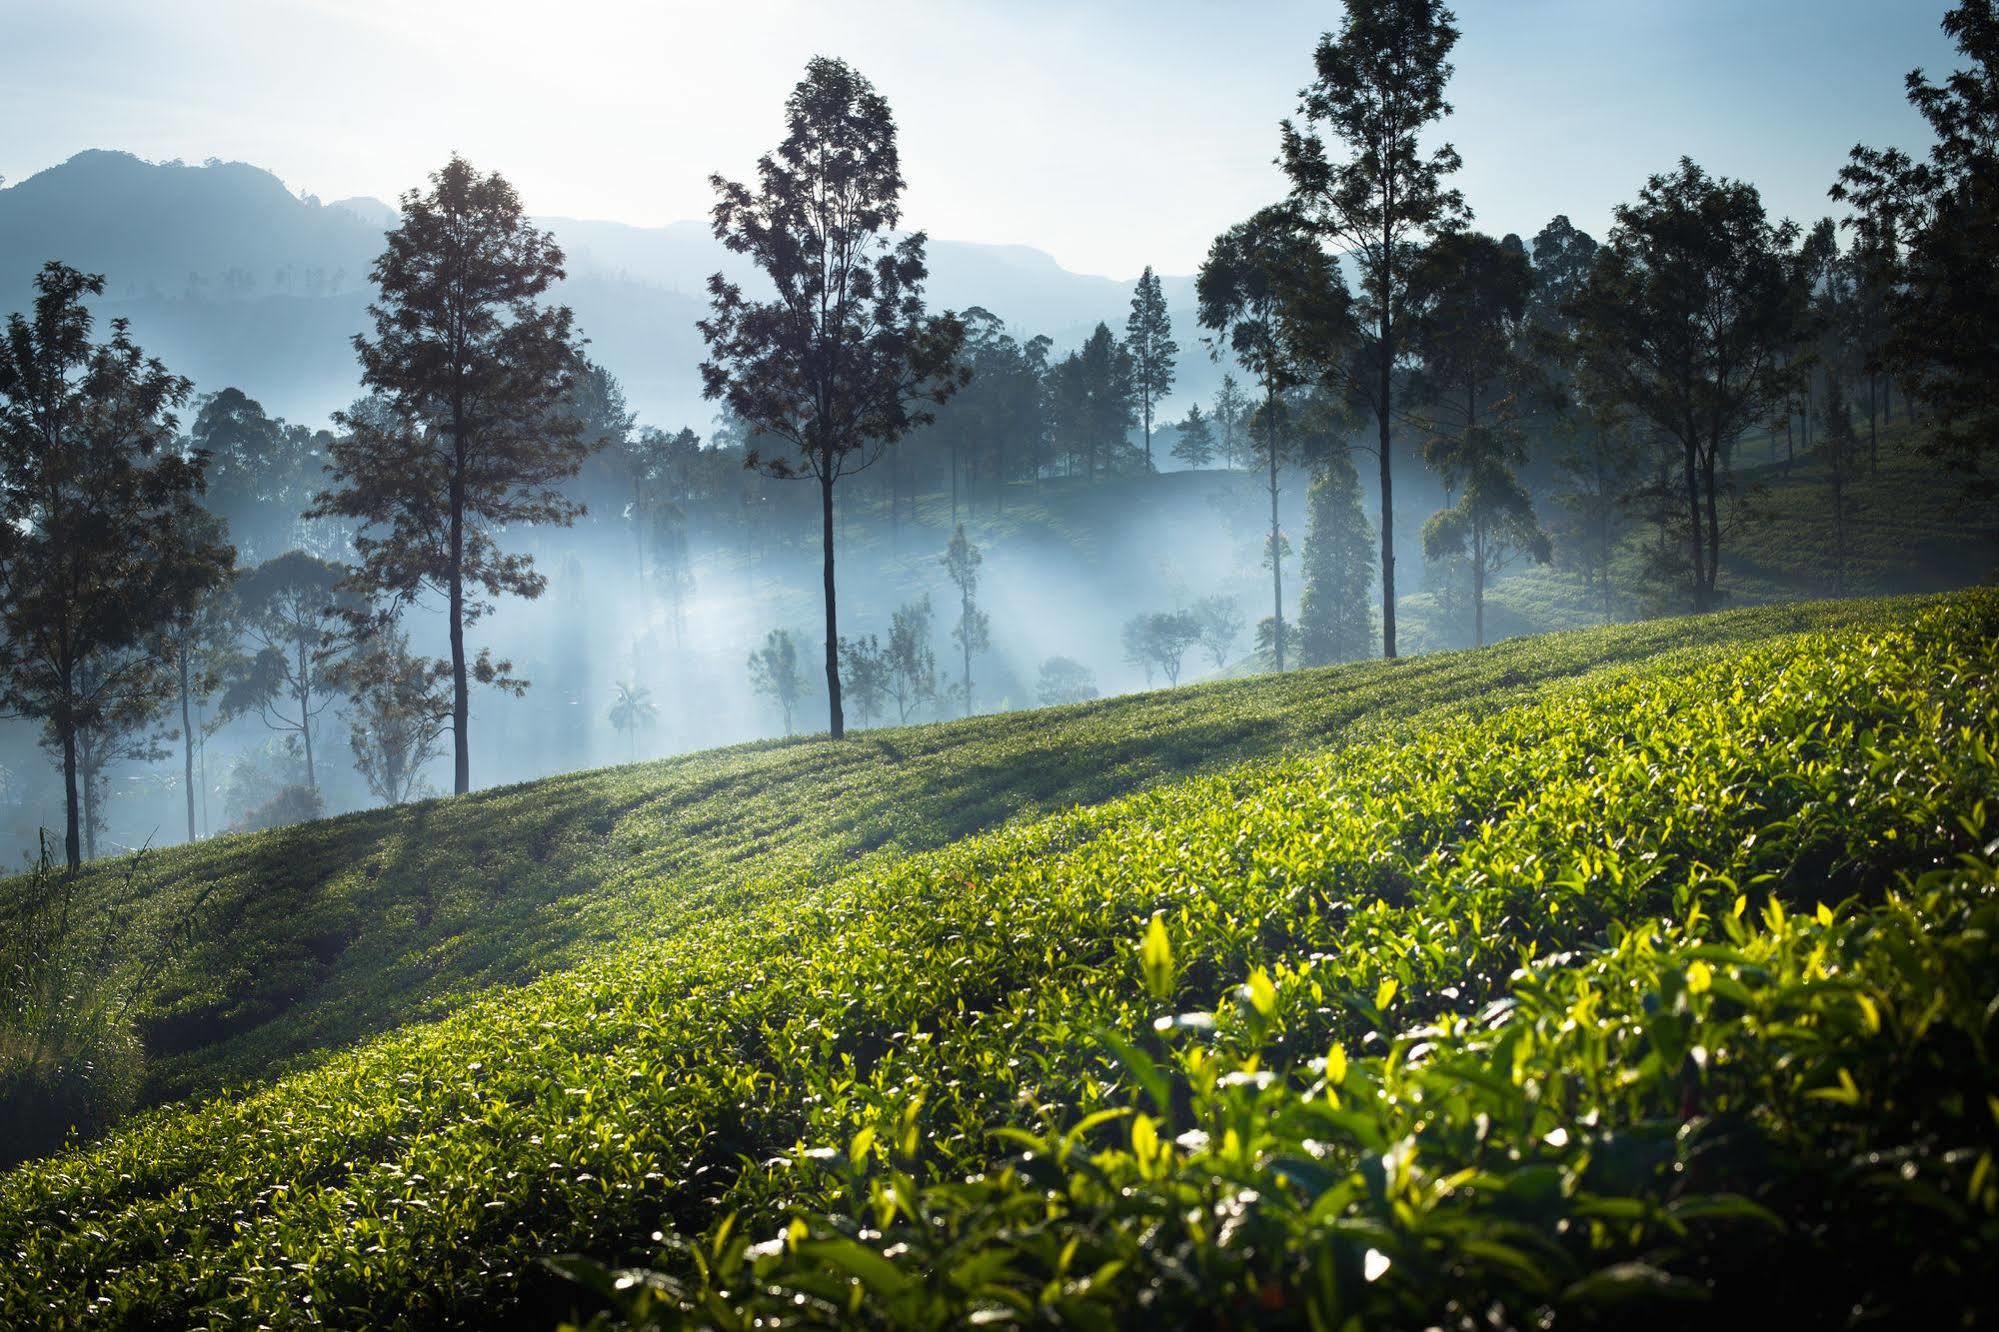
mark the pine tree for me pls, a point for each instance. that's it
(1148, 340)
(1333, 619)
(1196, 445)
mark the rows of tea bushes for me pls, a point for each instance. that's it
(294, 941)
(1672, 984)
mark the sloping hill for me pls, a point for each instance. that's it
(1515, 988)
(313, 936)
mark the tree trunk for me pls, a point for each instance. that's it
(1478, 588)
(461, 751)
(1696, 548)
(836, 721)
(1276, 534)
(965, 641)
(1713, 503)
(1873, 428)
(187, 745)
(1387, 488)
(305, 715)
(72, 842)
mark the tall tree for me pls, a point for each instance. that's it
(1264, 291)
(98, 547)
(1148, 340)
(1682, 322)
(1379, 85)
(199, 640)
(1468, 297)
(864, 665)
(1220, 619)
(1231, 410)
(1933, 224)
(467, 436)
(842, 360)
(973, 632)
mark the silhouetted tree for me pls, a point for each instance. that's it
(1196, 443)
(1333, 620)
(1262, 283)
(1220, 621)
(199, 641)
(1161, 640)
(973, 632)
(774, 673)
(842, 360)
(1148, 340)
(399, 709)
(1682, 322)
(467, 435)
(1929, 229)
(632, 710)
(1379, 86)
(1065, 680)
(261, 472)
(1231, 410)
(1492, 524)
(98, 547)
(912, 664)
(290, 608)
(864, 673)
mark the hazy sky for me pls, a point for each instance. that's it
(1110, 134)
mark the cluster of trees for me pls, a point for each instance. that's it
(121, 599)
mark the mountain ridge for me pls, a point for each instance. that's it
(236, 279)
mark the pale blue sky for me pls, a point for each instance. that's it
(1110, 134)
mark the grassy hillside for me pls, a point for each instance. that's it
(310, 937)
(1597, 969)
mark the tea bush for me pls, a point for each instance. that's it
(317, 935)
(1672, 980)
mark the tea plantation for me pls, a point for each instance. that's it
(1624, 977)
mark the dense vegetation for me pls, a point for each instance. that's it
(1671, 979)
(315, 935)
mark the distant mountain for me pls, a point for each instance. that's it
(232, 279)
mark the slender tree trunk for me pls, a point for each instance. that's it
(72, 841)
(305, 715)
(836, 721)
(88, 767)
(187, 745)
(1276, 533)
(461, 751)
(1873, 428)
(1694, 525)
(1713, 503)
(965, 641)
(1387, 486)
(1478, 589)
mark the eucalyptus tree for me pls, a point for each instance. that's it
(911, 679)
(840, 360)
(1148, 340)
(467, 435)
(100, 546)
(291, 610)
(774, 673)
(1378, 87)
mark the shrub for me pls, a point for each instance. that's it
(292, 804)
(70, 1058)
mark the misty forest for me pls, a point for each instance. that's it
(787, 771)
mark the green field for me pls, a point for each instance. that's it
(1645, 964)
